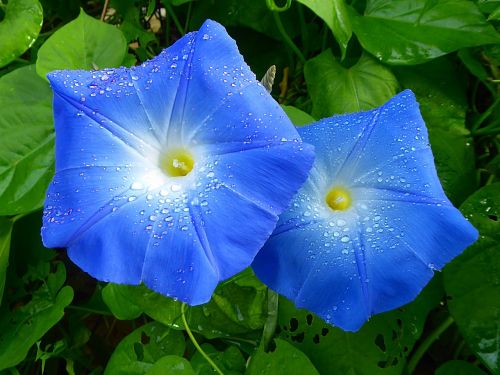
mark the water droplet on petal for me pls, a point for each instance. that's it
(175, 187)
(136, 186)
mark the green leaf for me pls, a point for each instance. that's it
(84, 43)
(171, 365)
(26, 141)
(335, 89)
(19, 28)
(5, 235)
(472, 279)
(284, 360)
(23, 326)
(459, 368)
(441, 92)
(230, 361)
(297, 116)
(379, 347)
(140, 298)
(495, 15)
(117, 299)
(488, 6)
(237, 307)
(414, 31)
(138, 351)
(335, 15)
(473, 63)
(131, 26)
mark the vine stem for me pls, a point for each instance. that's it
(195, 343)
(272, 319)
(286, 38)
(172, 14)
(485, 115)
(427, 343)
(87, 310)
(104, 9)
(487, 130)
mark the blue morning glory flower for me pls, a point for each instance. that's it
(372, 223)
(172, 173)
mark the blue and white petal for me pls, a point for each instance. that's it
(390, 226)
(172, 173)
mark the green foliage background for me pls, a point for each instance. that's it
(332, 56)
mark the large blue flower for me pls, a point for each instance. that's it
(371, 224)
(171, 173)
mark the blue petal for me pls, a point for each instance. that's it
(248, 119)
(377, 255)
(121, 217)
(214, 66)
(150, 239)
(268, 176)
(219, 216)
(84, 141)
(79, 196)
(133, 104)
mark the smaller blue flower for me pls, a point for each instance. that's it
(172, 173)
(372, 223)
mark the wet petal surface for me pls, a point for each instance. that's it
(171, 173)
(390, 227)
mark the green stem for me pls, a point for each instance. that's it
(490, 180)
(303, 29)
(489, 130)
(272, 319)
(171, 12)
(275, 8)
(167, 30)
(286, 38)
(240, 340)
(427, 343)
(17, 217)
(188, 17)
(195, 343)
(87, 310)
(458, 350)
(485, 114)
(324, 37)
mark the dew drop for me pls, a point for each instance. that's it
(175, 187)
(136, 186)
(345, 239)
